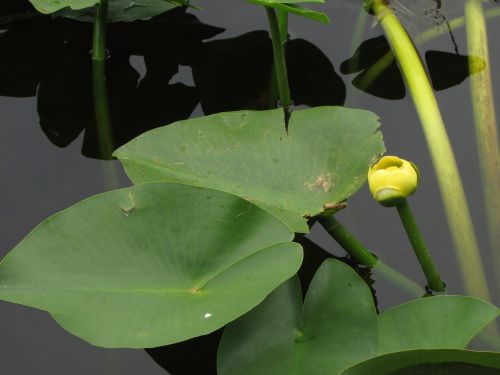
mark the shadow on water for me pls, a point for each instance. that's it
(50, 58)
(377, 67)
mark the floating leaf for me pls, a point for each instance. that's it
(434, 323)
(321, 161)
(291, 6)
(51, 6)
(336, 327)
(150, 265)
(442, 362)
(118, 10)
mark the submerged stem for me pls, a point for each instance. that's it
(450, 184)
(279, 59)
(485, 121)
(101, 105)
(419, 246)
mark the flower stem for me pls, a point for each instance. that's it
(418, 243)
(101, 105)
(348, 242)
(279, 59)
(485, 121)
(450, 184)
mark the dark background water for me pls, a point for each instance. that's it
(39, 178)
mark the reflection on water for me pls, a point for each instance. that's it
(180, 64)
(49, 58)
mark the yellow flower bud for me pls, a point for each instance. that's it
(392, 179)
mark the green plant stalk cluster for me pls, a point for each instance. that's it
(418, 243)
(99, 55)
(455, 203)
(485, 121)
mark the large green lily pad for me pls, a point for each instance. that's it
(439, 362)
(118, 10)
(434, 323)
(150, 265)
(321, 161)
(336, 328)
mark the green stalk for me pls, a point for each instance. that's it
(348, 242)
(363, 256)
(485, 121)
(279, 59)
(450, 184)
(418, 243)
(101, 106)
(283, 25)
(273, 81)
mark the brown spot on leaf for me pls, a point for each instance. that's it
(323, 182)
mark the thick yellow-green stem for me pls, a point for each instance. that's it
(485, 121)
(450, 184)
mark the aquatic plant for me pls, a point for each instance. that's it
(208, 236)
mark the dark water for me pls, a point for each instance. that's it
(46, 115)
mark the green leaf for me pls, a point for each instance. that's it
(51, 6)
(321, 161)
(150, 265)
(442, 362)
(336, 327)
(291, 7)
(118, 10)
(434, 323)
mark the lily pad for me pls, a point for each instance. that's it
(150, 265)
(118, 10)
(434, 323)
(51, 6)
(292, 6)
(442, 362)
(336, 328)
(321, 161)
